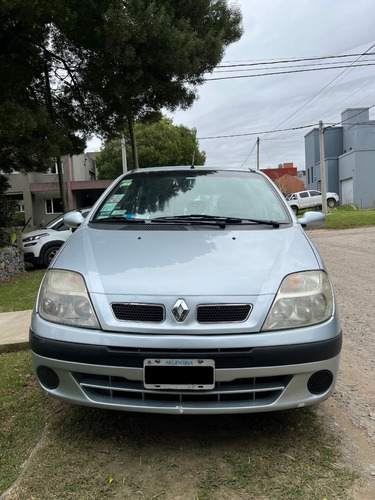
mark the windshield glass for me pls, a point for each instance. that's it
(54, 223)
(148, 195)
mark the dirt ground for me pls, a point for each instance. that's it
(349, 256)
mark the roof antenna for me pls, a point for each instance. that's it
(192, 163)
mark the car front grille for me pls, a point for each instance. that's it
(223, 313)
(148, 313)
(207, 313)
(244, 392)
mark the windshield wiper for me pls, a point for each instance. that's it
(260, 221)
(193, 219)
(120, 218)
(216, 219)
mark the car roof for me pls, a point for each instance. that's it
(199, 168)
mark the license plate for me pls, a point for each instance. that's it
(188, 374)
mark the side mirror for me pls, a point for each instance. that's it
(73, 219)
(312, 220)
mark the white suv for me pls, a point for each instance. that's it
(41, 246)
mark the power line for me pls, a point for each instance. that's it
(274, 131)
(340, 104)
(287, 72)
(278, 61)
(324, 88)
(247, 157)
(256, 133)
(332, 64)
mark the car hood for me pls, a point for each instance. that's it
(192, 262)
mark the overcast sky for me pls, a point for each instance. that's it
(283, 30)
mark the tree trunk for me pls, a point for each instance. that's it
(51, 113)
(133, 142)
(61, 184)
(18, 232)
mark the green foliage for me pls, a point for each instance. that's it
(72, 68)
(109, 161)
(159, 144)
(39, 116)
(18, 219)
(145, 54)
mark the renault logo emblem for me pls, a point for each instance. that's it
(180, 310)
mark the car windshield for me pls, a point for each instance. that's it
(54, 223)
(211, 193)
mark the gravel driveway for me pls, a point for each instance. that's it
(349, 256)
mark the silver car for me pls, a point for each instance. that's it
(188, 291)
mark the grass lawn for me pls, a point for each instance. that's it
(346, 217)
(19, 293)
(88, 453)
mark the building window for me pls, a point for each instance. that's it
(20, 206)
(53, 206)
(53, 169)
(18, 200)
(308, 176)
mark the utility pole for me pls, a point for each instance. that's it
(257, 153)
(123, 155)
(322, 169)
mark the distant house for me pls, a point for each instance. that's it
(287, 178)
(349, 158)
(37, 195)
(289, 184)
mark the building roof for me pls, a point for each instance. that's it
(276, 173)
(289, 184)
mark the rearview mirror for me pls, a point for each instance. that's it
(73, 219)
(312, 220)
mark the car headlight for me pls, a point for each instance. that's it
(303, 299)
(63, 298)
(35, 238)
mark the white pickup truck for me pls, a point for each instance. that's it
(310, 199)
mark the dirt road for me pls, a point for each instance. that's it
(349, 256)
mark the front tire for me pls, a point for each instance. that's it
(331, 203)
(49, 255)
(295, 209)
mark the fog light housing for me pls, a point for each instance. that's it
(48, 377)
(320, 382)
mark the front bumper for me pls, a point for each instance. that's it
(30, 257)
(253, 379)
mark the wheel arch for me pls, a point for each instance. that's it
(48, 245)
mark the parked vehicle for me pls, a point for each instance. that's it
(310, 199)
(188, 291)
(40, 246)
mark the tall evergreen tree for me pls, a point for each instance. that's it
(72, 68)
